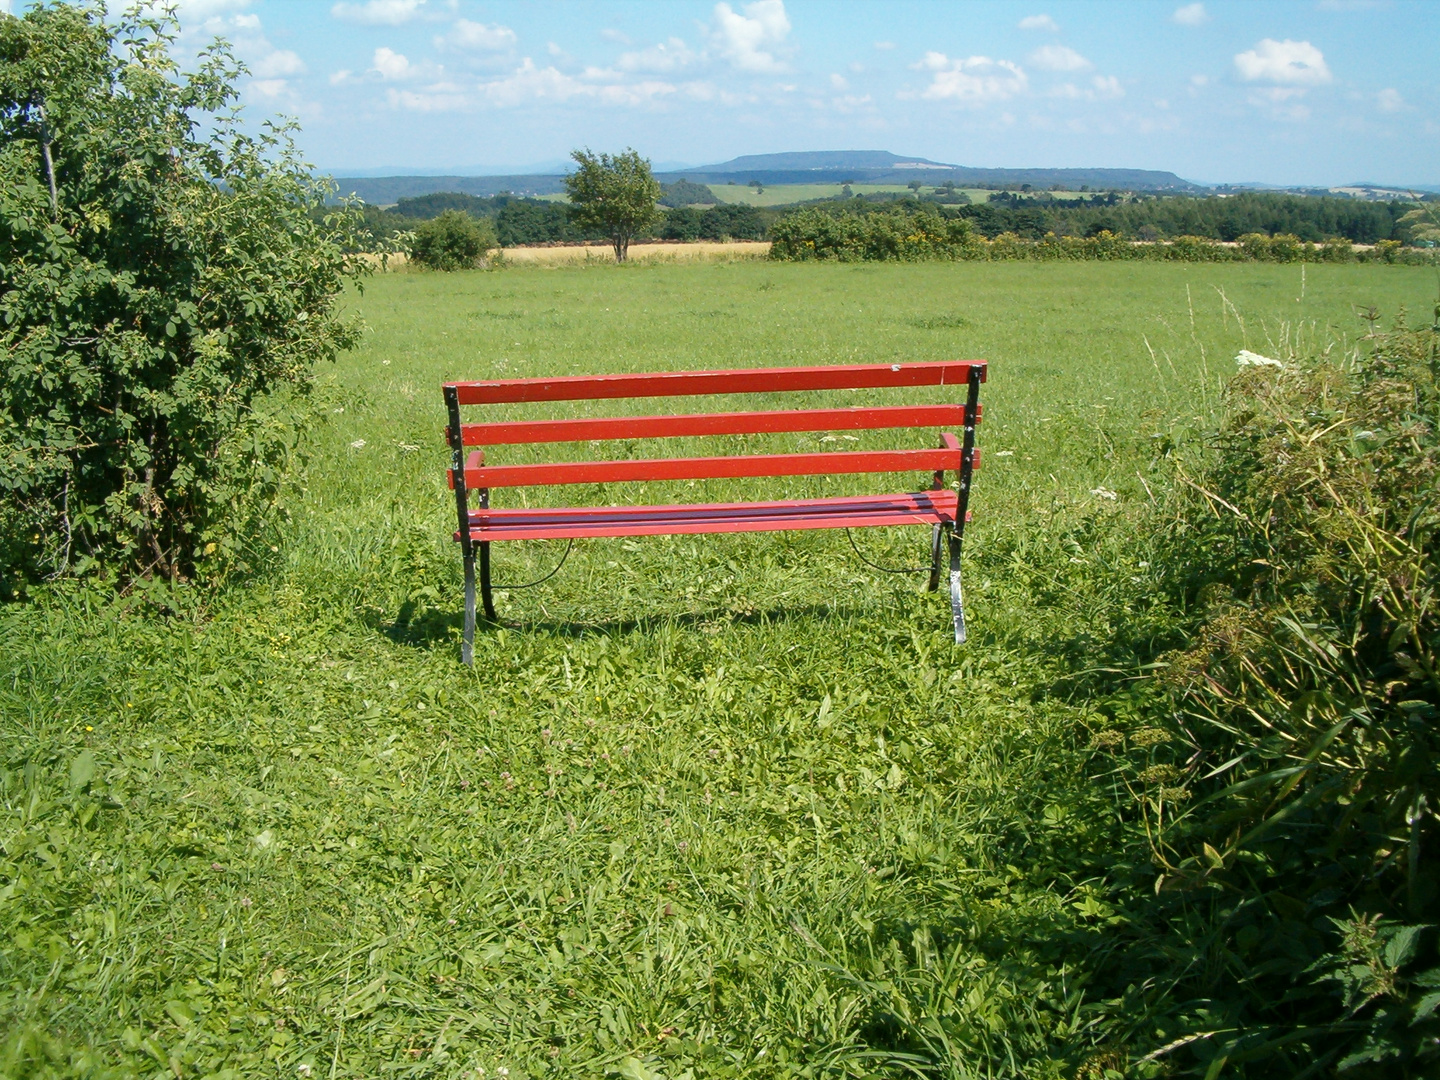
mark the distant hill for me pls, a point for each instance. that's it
(387, 190)
(821, 159)
(883, 167)
(808, 167)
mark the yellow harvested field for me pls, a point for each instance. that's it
(556, 256)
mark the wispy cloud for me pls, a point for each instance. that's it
(379, 12)
(1389, 100)
(479, 37)
(1059, 58)
(1191, 15)
(1039, 22)
(973, 80)
(666, 56)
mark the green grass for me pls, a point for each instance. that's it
(730, 806)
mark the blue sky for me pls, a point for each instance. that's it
(1312, 92)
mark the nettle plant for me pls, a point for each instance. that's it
(168, 283)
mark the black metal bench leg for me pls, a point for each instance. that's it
(936, 550)
(467, 648)
(957, 602)
(485, 594)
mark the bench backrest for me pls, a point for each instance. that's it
(953, 455)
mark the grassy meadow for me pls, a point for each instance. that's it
(705, 806)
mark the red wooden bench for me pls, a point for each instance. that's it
(940, 506)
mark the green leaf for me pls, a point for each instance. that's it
(82, 770)
(634, 1069)
(1400, 948)
(1425, 1006)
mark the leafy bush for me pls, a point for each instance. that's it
(167, 285)
(452, 241)
(882, 235)
(1292, 801)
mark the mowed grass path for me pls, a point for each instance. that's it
(705, 806)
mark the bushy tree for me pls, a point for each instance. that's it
(167, 284)
(452, 241)
(616, 194)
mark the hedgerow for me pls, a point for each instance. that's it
(906, 234)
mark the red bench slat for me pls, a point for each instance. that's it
(743, 381)
(920, 508)
(734, 423)
(711, 468)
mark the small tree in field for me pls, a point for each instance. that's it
(615, 194)
(167, 284)
(452, 241)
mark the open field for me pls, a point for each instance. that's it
(705, 807)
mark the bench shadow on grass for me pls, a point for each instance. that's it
(424, 626)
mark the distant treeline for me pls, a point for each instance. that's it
(1027, 216)
(1216, 217)
(912, 233)
(520, 220)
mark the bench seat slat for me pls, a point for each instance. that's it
(712, 468)
(743, 381)
(936, 507)
(732, 423)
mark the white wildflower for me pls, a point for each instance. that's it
(358, 444)
(1246, 358)
(1004, 453)
(1104, 493)
(304, 1069)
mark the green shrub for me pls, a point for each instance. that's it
(1293, 813)
(167, 285)
(890, 234)
(452, 241)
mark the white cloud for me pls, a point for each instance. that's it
(191, 10)
(465, 34)
(392, 65)
(279, 63)
(1059, 58)
(610, 34)
(1039, 22)
(270, 88)
(666, 56)
(1297, 63)
(884, 46)
(1390, 100)
(839, 82)
(1191, 15)
(528, 84)
(973, 80)
(1107, 86)
(749, 41)
(378, 12)
(1101, 88)
(1198, 81)
(341, 77)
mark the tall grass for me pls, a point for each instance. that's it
(725, 807)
